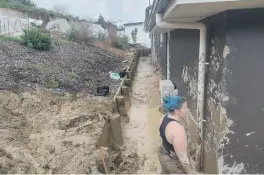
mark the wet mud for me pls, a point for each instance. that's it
(141, 134)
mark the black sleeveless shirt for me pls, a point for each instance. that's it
(167, 146)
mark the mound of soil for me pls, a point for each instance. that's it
(69, 66)
(42, 132)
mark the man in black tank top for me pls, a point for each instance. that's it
(173, 155)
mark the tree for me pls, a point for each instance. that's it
(102, 22)
(60, 9)
(134, 35)
(25, 2)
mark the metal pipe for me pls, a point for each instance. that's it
(201, 72)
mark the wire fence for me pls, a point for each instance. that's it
(14, 26)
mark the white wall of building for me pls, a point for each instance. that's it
(142, 37)
(120, 32)
(13, 22)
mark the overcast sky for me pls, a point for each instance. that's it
(126, 10)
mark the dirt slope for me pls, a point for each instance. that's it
(69, 66)
(43, 131)
(48, 133)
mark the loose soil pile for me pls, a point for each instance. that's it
(69, 66)
(48, 133)
(44, 131)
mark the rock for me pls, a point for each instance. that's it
(118, 160)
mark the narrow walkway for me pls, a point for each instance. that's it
(141, 133)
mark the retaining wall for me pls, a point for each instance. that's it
(111, 136)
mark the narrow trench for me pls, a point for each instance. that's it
(141, 133)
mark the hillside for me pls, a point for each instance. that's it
(67, 67)
(43, 131)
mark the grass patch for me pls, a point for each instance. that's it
(52, 84)
(11, 38)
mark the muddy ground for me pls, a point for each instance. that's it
(50, 121)
(50, 133)
(141, 133)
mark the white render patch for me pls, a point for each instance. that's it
(185, 74)
(226, 52)
(229, 169)
(191, 81)
(248, 134)
(225, 99)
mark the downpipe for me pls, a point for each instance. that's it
(201, 78)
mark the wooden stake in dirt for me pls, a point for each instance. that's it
(105, 136)
(133, 67)
(121, 105)
(129, 75)
(128, 83)
(102, 151)
(116, 130)
(126, 94)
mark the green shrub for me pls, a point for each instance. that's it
(101, 36)
(52, 83)
(39, 38)
(123, 40)
(71, 34)
(120, 41)
(81, 33)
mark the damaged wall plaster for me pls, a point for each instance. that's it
(218, 124)
(190, 79)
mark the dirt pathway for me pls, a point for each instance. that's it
(141, 133)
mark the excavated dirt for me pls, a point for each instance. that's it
(41, 132)
(67, 67)
(50, 121)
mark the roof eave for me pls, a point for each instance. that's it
(159, 6)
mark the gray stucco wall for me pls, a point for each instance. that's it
(235, 98)
(161, 52)
(215, 110)
(245, 40)
(184, 54)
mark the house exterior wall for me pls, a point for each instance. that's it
(184, 53)
(142, 37)
(159, 52)
(13, 22)
(162, 52)
(121, 33)
(235, 98)
(217, 122)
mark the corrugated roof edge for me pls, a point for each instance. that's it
(133, 23)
